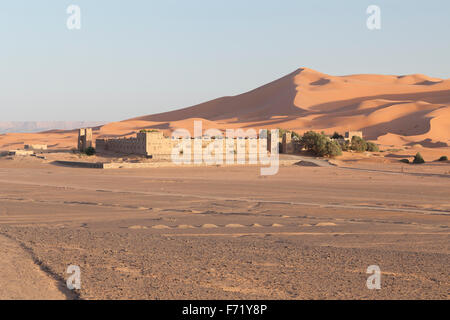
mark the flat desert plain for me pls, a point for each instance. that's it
(225, 232)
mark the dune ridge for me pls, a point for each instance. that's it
(389, 109)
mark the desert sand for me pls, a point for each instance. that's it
(410, 110)
(227, 232)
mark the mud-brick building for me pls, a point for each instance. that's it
(145, 144)
(84, 139)
(350, 134)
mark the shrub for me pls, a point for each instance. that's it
(337, 136)
(320, 145)
(443, 158)
(90, 151)
(314, 142)
(405, 160)
(345, 145)
(418, 159)
(148, 130)
(372, 147)
(358, 144)
(332, 149)
(296, 136)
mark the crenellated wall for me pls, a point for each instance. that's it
(154, 144)
(145, 144)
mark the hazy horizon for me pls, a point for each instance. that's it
(39, 126)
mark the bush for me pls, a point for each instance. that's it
(332, 149)
(358, 144)
(320, 145)
(314, 142)
(345, 145)
(337, 136)
(418, 159)
(296, 136)
(372, 147)
(443, 158)
(90, 151)
(405, 160)
(148, 130)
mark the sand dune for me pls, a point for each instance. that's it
(389, 109)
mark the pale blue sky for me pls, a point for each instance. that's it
(138, 57)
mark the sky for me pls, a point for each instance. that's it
(139, 57)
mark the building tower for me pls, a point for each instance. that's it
(84, 139)
(287, 146)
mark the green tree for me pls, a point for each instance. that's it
(358, 144)
(90, 151)
(313, 142)
(320, 145)
(336, 135)
(332, 149)
(372, 147)
(296, 136)
(345, 145)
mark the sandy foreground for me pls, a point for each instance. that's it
(225, 232)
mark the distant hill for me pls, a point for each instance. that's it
(38, 126)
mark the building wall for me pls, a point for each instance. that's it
(145, 144)
(35, 147)
(125, 145)
(84, 139)
(350, 134)
(154, 144)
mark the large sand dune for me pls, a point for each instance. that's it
(392, 110)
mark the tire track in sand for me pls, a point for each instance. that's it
(22, 279)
